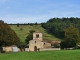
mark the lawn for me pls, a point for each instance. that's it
(26, 28)
(44, 55)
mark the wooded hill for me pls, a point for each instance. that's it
(57, 26)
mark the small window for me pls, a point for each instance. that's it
(37, 35)
(35, 41)
(44, 43)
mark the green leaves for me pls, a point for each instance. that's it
(7, 35)
(56, 26)
(71, 36)
(30, 36)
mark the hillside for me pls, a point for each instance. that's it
(26, 28)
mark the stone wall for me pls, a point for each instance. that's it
(11, 49)
(48, 49)
(46, 45)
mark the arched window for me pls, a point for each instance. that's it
(37, 35)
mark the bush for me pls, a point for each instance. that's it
(22, 46)
(1, 50)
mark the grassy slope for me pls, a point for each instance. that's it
(26, 28)
(44, 55)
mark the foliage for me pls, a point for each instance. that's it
(7, 35)
(30, 36)
(22, 46)
(18, 25)
(63, 44)
(36, 23)
(71, 37)
(56, 26)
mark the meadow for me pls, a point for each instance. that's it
(26, 28)
(42, 55)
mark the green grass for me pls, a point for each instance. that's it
(26, 28)
(44, 55)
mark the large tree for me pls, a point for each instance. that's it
(71, 37)
(7, 35)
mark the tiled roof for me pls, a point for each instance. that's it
(52, 42)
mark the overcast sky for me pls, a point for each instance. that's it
(31, 11)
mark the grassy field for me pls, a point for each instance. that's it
(44, 55)
(26, 28)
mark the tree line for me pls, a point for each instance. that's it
(56, 26)
(25, 23)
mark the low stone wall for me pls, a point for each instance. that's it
(26, 49)
(68, 48)
(46, 49)
(10, 49)
(7, 49)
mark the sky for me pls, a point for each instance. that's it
(31, 11)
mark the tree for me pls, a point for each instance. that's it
(18, 25)
(63, 44)
(56, 26)
(71, 36)
(7, 35)
(36, 23)
(22, 46)
(30, 36)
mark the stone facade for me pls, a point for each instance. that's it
(37, 42)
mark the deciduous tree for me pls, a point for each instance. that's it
(30, 36)
(7, 35)
(71, 37)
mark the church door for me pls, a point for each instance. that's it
(35, 48)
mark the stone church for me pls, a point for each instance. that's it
(37, 43)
